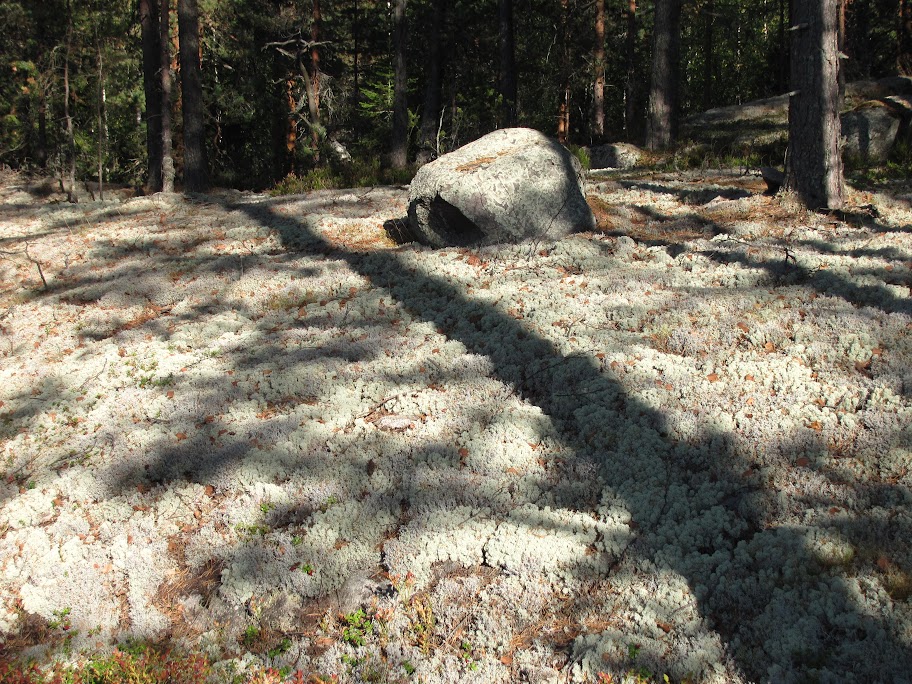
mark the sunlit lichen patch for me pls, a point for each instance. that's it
(681, 447)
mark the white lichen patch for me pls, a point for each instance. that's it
(683, 449)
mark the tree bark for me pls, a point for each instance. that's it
(164, 46)
(195, 171)
(430, 113)
(630, 92)
(860, 37)
(783, 47)
(41, 153)
(356, 25)
(661, 121)
(102, 117)
(563, 110)
(313, 93)
(507, 64)
(904, 41)
(708, 53)
(151, 65)
(598, 57)
(814, 165)
(399, 147)
(68, 119)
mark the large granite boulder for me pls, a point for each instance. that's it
(869, 133)
(511, 185)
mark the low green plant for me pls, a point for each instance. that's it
(129, 663)
(358, 173)
(251, 635)
(61, 619)
(280, 648)
(331, 501)
(249, 531)
(357, 626)
(421, 615)
(467, 653)
(582, 154)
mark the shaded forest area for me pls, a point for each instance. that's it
(295, 86)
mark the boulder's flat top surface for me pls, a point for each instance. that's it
(685, 438)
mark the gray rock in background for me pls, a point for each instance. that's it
(511, 185)
(869, 133)
(614, 156)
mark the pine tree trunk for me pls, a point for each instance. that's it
(41, 153)
(68, 119)
(904, 39)
(507, 64)
(860, 38)
(164, 45)
(563, 110)
(151, 54)
(285, 133)
(313, 93)
(661, 121)
(356, 35)
(102, 118)
(814, 167)
(783, 47)
(630, 91)
(708, 53)
(598, 57)
(399, 147)
(195, 171)
(430, 113)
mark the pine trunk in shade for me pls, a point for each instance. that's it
(151, 54)
(399, 146)
(662, 118)
(814, 164)
(196, 176)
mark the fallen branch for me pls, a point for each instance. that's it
(29, 257)
(37, 263)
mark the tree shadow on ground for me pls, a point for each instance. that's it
(689, 195)
(699, 510)
(716, 538)
(824, 281)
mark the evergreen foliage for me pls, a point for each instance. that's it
(257, 53)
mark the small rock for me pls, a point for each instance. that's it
(614, 156)
(625, 245)
(356, 592)
(774, 179)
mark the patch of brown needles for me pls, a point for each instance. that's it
(32, 630)
(184, 582)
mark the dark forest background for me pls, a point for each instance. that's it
(287, 83)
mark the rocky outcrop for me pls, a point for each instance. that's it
(869, 133)
(878, 111)
(511, 185)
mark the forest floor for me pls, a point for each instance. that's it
(260, 429)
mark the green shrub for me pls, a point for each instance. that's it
(359, 173)
(582, 154)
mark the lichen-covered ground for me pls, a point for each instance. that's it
(678, 446)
